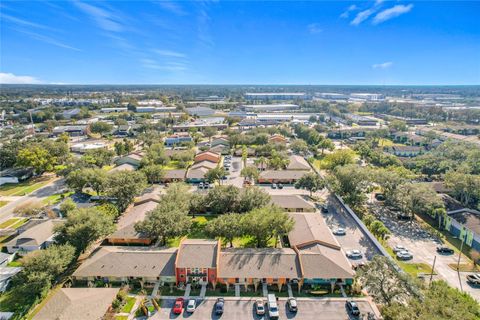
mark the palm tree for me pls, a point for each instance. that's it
(262, 161)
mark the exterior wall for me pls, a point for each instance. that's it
(131, 161)
(13, 249)
(4, 180)
(181, 275)
(284, 181)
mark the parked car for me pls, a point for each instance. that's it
(219, 305)
(280, 186)
(259, 307)
(274, 186)
(474, 278)
(354, 254)
(292, 304)
(404, 217)
(273, 312)
(206, 185)
(352, 307)
(191, 305)
(404, 255)
(324, 209)
(445, 250)
(339, 232)
(200, 185)
(178, 306)
(399, 248)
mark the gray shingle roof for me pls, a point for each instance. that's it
(126, 223)
(129, 262)
(198, 253)
(77, 304)
(291, 202)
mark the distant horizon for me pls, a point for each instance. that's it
(235, 84)
(167, 42)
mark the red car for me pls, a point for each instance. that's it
(178, 306)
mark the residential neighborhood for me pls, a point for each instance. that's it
(127, 213)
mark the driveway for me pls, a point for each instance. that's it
(51, 188)
(244, 308)
(234, 177)
(423, 246)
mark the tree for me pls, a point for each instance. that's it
(76, 180)
(222, 199)
(209, 132)
(278, 161)
(299, 146)
(262, 224)
(98, 157)
(250, 173)
(226, 226)
(310, 181)
(215, 174)
(379, 229)
(418, 198)
(123, 186)
(389, 179)
(350, 182)
(398, 125)
(36, 157)
(439, 301)
(339, 158)
(96, 179)
(384, 282)
(262, 162)
(83, 227)
(101, 127)
(67, 206)
(8, 153)
(165, 222)
(326, 144)
(251, 198)
(155, 155)
(465, 187)
(108, 209)
(154, 173)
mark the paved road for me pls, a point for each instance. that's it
(354, 238)
(56, 185)
(243, 308)
(424, 250)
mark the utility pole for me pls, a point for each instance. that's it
(433, 268)
(458, 263)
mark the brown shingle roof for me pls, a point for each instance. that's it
(298, 163)
(129, 262)
(175, 174)
(310, 228)
(36, 235)
(126, 224)
(197, 253)
(282, 174)
(291, 202)
(77, 304)
(323, 262)
(259, 263)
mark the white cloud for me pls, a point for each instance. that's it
(10, 78)
(314, 28)
(23, 22)
(384, 65)
(362, 16)
(172, 7)
(346, 13)
(104, 19)
(169, 66)
(392, 12)
(46, 39)
(170, 53)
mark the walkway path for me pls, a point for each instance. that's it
(155, 289)
(237, 290)
(289, 288)
(264, 290)
(188, 288)
(203, 291)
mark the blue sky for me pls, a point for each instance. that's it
(233, 42)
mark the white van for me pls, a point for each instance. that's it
(273, 312)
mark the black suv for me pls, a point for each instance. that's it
(445, 250)
(353, 308)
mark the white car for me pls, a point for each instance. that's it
(192, 304)
(339, 232)
(354, 254)
(404, 255)
(399, 248)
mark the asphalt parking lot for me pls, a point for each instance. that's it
(244, 308)
(354, 239)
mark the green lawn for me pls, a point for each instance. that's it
(12, 223)
(121, 317)
(197, 231)
(22, 188)
(55, 198)
(388, 143)
(129, 304)
(3, 203)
